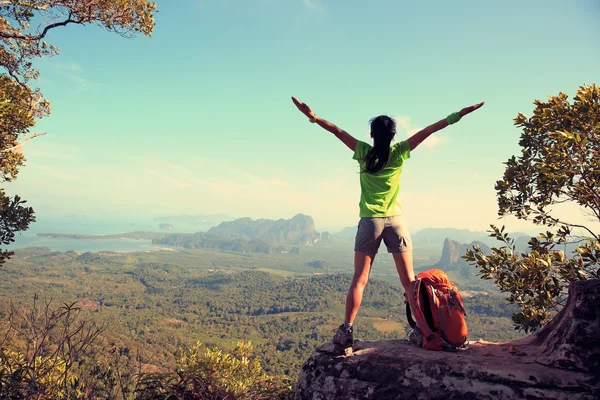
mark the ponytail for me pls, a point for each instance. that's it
(383, 130)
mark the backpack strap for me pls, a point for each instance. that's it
(409, 317)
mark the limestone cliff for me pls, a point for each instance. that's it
(451, 261)
(561, 361)
(298, 230)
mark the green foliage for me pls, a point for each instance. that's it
(536, 281)
(51, 376)
(559, 163)
(16, 118)
(318, 264)
(211, 373)
(238, 373)
(158, 302)
(52, 353)
(41, 349)
(559, 159)
(203, 240)
(14, 217)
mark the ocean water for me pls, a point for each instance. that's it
(83, 245)
(102, 226)
(96, 226)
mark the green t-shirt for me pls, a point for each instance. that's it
(379, 191)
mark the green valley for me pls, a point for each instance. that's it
(155, 303)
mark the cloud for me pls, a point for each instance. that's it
(39, 148)
(230, 180)
(433, 141)
(404, 122)
(82, 83)
(279, 183)
(335, 186)
(150, 184)
(73, 68)
(166, 178)
(72, 72)
(55, 173)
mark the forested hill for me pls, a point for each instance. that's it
(298, 230)
(157, 303)
(247, 235)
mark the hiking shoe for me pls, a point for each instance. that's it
(343, 339)
(415, 336)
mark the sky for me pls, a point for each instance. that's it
(198, 119)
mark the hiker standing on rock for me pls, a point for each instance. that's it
(380, 211)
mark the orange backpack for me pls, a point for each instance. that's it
(440, 314)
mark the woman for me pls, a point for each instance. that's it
(380, 212)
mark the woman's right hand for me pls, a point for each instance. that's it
(304, 109)
(470, 109)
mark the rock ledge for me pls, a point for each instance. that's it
(561, 361)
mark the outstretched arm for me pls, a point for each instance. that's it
(420, 136)
(341, 134)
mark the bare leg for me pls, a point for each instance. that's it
(362, 268)
(404, 266)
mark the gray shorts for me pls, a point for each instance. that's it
(393, 231)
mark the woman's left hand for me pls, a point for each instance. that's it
(304, 109)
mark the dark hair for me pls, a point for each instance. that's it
(383, 130)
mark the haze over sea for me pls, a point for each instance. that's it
(95, 226)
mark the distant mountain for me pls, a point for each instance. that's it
(348, 232)
(247, 235)
(451, 261)
(298, 230)
(522, 245)
(435, 236)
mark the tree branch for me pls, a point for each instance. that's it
(57, 24)
(39, 37)
(33, 6)
(22, 143)
(557, 221)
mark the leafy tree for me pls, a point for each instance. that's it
(24, 25)
(559, 163)
(41, 350)
(319, 264)
(204, 372)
